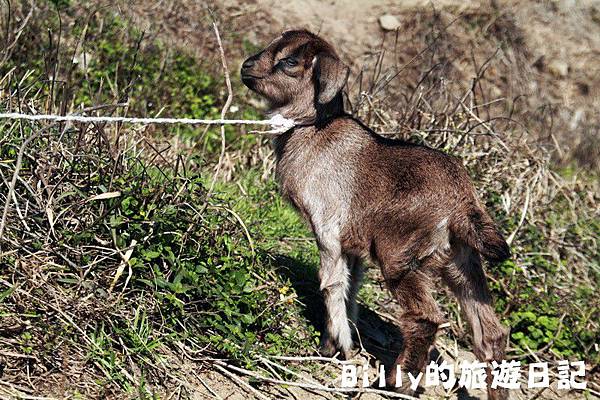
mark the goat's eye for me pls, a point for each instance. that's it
(290, 62)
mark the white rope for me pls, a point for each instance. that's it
(277, 122)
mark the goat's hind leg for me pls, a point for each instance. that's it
(419, 323)
(466, 279)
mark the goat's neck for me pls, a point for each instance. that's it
(299, 112)
(294, 151)
(294, 140)
(310, 114)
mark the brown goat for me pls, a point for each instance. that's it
(411, 209)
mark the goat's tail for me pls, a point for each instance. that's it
(477, 229)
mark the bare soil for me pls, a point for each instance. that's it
(559, 40)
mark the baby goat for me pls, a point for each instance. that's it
(411, 209)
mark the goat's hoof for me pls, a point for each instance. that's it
(328, 348)
(404, 382)
(498, 394)
(349, 354)
(404, 389)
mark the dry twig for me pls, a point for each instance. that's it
(223, 110)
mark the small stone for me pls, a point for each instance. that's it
(558, 68)
(389, 22)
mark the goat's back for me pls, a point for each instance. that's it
(382, 192)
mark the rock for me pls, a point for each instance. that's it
(558, 68)
(389, 22)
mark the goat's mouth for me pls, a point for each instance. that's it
(250, 80)
(251, 77)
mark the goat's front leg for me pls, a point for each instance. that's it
(335, 281)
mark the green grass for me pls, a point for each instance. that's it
(545, 301)
(196, 277)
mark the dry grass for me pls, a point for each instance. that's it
(549, 215)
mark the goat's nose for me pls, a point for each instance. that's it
(249, 63)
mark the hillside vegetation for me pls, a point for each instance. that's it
(123, 275)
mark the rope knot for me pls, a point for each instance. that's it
(280, 123)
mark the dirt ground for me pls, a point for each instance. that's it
(547, 71)
(560, 69)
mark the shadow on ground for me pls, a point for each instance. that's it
(380, 338)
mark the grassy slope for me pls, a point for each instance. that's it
(195, 278)
(218, 276)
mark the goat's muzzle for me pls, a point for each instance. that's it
(249, 78)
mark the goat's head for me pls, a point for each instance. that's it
(300, 75)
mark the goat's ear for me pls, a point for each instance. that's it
(331, 75)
